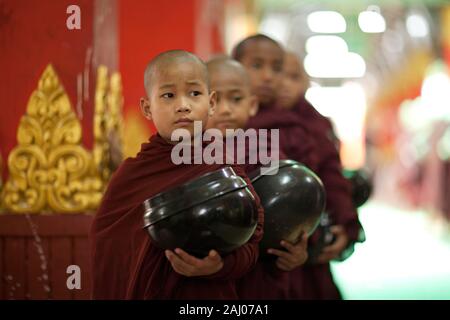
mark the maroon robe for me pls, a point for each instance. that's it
(316, 281)
(305, 136)
(329, 169)
(295, 141)
(125, 263)
(266, 280)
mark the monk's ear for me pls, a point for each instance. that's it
(212, 103)
(145, 108)
(253, 106)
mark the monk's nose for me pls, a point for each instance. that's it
(267, 74)
(183, 106)
(224, 108)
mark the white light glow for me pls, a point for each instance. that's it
(326, 43)
(371, 21)
(436, 95)
(275, 26)
(322, 99)
(432, 105)
(346, 106)
(417, 26)
(326, 22)
(335, 65)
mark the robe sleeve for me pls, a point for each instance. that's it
(338, 189)
(243, 259)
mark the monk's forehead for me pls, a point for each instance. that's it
(263, 47)
(179, 69)
(229, 71)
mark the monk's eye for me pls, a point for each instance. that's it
(256, 65)
(277, 68)
(167, 95)
(195, 93)
(237, 99)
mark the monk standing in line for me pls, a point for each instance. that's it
(315, 280)
(270, 279)
(125, 262)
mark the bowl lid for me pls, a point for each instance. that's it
(206, 187)
(256, 174)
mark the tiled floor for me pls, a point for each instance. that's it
(405, 256)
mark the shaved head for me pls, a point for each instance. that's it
(263, 58)
(224, 64)
(235, 101)
(170, 58)
(240, 49)
(295, 82)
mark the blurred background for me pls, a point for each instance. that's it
(379, 69)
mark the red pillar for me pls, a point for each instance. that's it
(33, 34)
(147, 28)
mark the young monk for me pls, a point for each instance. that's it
(125, 263)
(264, 59)
(316, 279)
(235, 105)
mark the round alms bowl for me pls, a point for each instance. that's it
(214, 211)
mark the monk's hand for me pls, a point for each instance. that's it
(335, 249)
(295, 256)
(190, 266)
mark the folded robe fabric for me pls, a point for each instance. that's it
(316, 281)
(125, 263)
(295, 141)
(329, 168)
(306, 136)
(266, 281)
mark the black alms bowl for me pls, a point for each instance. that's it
(361, 186)
(293, 201)
(214, 211)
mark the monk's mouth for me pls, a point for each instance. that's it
(284, 97)
(184, 122)
(266, 89)
(265, 92)
(225, 123)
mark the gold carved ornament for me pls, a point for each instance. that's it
(108, 131)
(49, 170)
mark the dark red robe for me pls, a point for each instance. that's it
(316, 281)
(266, 280)
(295, 141)
(329, 169)
(305, 136)
(125, 264)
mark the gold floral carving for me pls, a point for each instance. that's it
(49, 170)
